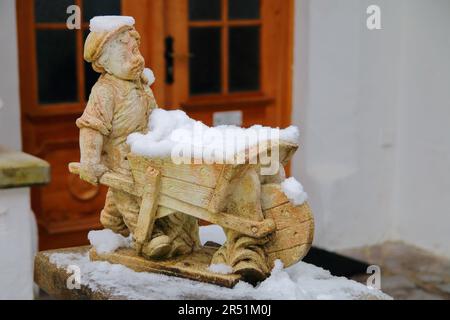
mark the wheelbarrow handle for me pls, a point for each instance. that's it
(74, 167)
(110, 179)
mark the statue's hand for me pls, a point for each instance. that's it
(92, 172)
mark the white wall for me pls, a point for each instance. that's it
(343, 109)
(362, 99)
(18, 240)
(423, 165)
(10, 134)
(18, 234)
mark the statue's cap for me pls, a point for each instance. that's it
(104, 28)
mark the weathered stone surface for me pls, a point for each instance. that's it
(18, 169)
(54, 270)
(193, 267)
(53, 279)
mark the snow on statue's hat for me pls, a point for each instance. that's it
(104, 28)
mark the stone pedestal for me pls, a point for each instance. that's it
(18, 169)
(70, 274)
(18, 232)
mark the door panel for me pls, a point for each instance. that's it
(231, 55)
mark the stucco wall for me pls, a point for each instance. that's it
(372, 106)
(345, 105)
(18, 234)
(10, 134)
(423, 165)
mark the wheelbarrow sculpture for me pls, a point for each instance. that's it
(261, 223)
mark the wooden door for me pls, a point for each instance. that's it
(227, 55)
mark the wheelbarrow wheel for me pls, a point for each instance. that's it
(294, 232)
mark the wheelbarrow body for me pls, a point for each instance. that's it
(201, 191)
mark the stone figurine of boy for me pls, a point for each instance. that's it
(119, 104)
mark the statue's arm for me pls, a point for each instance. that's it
(95, 125)
(91, 145)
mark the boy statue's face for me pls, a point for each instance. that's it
(122, 57)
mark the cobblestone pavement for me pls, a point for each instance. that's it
(407, 272)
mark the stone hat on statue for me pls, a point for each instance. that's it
(104, 28)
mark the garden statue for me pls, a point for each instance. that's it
(156, 197)
(120, 104)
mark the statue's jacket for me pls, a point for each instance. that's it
(117, 108)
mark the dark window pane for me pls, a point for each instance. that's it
(57, 80)
(51, 10)
(204, 10)
(90, 76)
(204, 70)
(244, 58)
(92, 8)
(243, 9)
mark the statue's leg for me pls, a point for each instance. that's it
(245, 254)
(182, 231)
(159, 244)
(111, 218)
(128, 207)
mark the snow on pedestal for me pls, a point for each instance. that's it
(106, 241)
(221, 268)
(301, 281)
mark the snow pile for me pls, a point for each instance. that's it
(106, 241)
(149, 75)
(109, 23)
(301, 281)
(172, 131)
(294, 191)
(220, 268)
